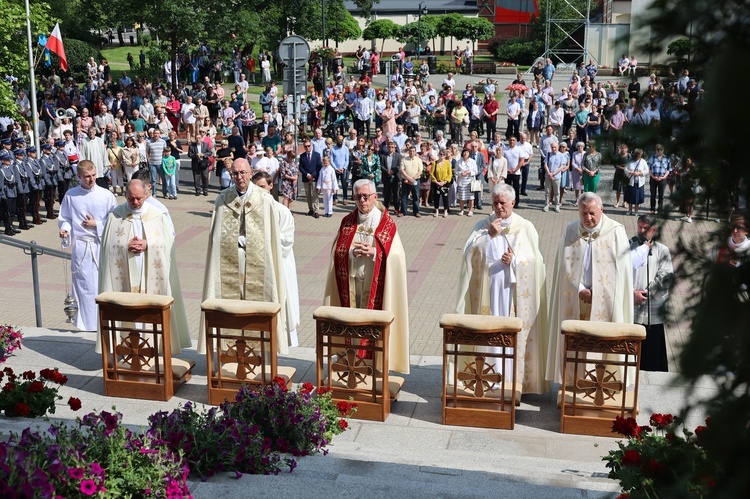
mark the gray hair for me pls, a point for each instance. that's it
(590, 197)
(504, 191)
(364, 182)
(580, 144)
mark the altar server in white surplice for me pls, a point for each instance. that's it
(83, 211)
(502, 274)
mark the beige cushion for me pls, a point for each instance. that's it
(610, 330)
(353, 316)
(241, 307)
(481, 323)
(134, 299)
(180, 367)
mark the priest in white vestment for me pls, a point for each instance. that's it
(83, 212)
(244, 259)
(592, 279)
(94, 149)
(138, 256)
(503, 274)
(368, 269)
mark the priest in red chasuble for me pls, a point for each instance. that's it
(368, 269)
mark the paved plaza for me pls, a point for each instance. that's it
(412, 453)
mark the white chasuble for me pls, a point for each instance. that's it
(599, 260)
(487, 286)
(151, 272)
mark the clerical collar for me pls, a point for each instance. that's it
(367, 218)
(136, 213)
(505, 222)
(592, 233)
(244, 194)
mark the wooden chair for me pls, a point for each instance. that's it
(475, 392)
(241, 346)
(601, 372)
(352, 358)
(136, 356)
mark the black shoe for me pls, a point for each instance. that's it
(205, 193)
(15, 231)
(315, 215)
(310, 213)
(10, 232)
(197, 193)
(524, 194)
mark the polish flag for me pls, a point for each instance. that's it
(55, 44)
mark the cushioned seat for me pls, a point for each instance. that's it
(604, 329)
(353, 315)
(481, 323)
(131, 300)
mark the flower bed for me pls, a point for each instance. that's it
(262, 431)
(656, 462)
(10, 340)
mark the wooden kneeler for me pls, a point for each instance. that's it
(475, 391)
(136, 338)
(601, 374)
(352, 358)
(241, 346)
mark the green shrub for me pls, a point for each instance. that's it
(78, 54)
(518, 50)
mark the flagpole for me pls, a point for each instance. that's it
(32, 92)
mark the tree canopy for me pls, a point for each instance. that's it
(380, 29)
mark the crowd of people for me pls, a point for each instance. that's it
(425, 150)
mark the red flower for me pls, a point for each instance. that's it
(35, 387)
(307, 387)
(624, 495)
(671, 437)
(661, 421)
(21, 409)
(343, 407)
(322, 390)
(653, 467)
(343, 424)
(280, 382)
(9, 387)
(74, 403)
(631, 458)
(29, 375)
(708, 421)
(627, 427)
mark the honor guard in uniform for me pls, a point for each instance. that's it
(36, 184)
(22, 188)
(64, 170)
(7, 192)
(49, 172)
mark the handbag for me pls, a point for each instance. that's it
(476, 185)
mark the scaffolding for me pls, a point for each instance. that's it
(569, 18)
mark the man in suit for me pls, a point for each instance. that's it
(390, 166)
(478, 157)
(310, 164)
(199, 152)
(119, 104)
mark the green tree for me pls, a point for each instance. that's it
(174, 21)
(14, 59)
(476, 28)
(717, 352)
(448, 26)
(410, 33)
(380, 29)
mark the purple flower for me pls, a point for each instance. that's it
(76, 473)
(88, 487)
(96, 469)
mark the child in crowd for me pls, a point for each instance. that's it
(169, 165)
(328, 186)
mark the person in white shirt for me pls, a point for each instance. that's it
(363, 109)
(514, 155)
(188, 118)
(450, 81)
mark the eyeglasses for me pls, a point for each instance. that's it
(240, 174)
(363, 197)
(308, 145)
(740, 228)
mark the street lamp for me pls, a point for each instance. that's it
(422, 10)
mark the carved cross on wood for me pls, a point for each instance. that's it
(603, 383)
(479, 377)
(135, 351)
(245, 357)
(351, 368)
